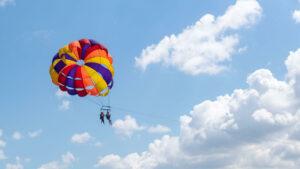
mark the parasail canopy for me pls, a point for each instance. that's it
(83, 67)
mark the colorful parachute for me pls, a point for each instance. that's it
(83, 67)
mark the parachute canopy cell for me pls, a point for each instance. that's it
(83, 67)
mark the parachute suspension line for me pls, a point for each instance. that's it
(93, 101)
(147, 115)
(107, 106)
(109, 98)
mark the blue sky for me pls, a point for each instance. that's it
(198, 84)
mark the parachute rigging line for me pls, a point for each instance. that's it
(148, 115)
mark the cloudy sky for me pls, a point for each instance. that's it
(205, 84)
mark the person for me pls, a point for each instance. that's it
(108, 118)
(102, 117)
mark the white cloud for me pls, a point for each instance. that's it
(81, 138)
(1, 132)
(85, 138)
(17, 136)
(251, 128)
(296, 16)
(2, 143)
(2, 155)
(265, 116)
(6, 2)
(292, 64)
(65, 105)
(243, 49)
(158, 153)
(98, 144)
(35, 133)
(60, 94)
(65, 163)
(68, 158)
(109, 161)
(51, 165)
(159, 129)
(205, 46)
(18, 164)
(127, 126)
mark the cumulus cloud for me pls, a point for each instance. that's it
(158, 129)
(256, 127)
(2, 155)
(109, 161)
(68, 158)
(65, 163)
(2, 143)
(18, 164)
(127, 126)
(81, 138)
(6, 2)
(265, 116)
(296, 16)
(85, 137)
(35, 133)
(158, 153)
(60, 94)
(17, 135)
(205, 46)
(243, 49)
(65, 105)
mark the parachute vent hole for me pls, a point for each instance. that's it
(80, 62)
